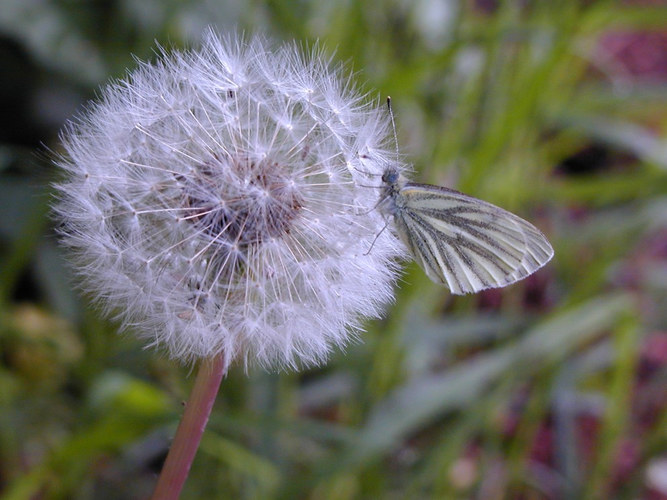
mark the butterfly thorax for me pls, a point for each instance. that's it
(390, 201)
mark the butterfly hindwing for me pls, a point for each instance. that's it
(465, 243)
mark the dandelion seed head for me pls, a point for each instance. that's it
(220, 201)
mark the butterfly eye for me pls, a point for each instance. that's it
(390, 176)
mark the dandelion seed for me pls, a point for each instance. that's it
(215, 202)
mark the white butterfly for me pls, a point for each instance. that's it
(460, 241)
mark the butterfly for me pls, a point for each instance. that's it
(460, 241)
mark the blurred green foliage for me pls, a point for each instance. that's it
(553, 388)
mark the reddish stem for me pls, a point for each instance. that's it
(188, 435)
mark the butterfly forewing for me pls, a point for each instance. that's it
(466, 243)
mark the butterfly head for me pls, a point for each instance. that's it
(390, 176)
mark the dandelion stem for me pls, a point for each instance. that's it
(188, 435)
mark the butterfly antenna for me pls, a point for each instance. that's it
(393, 125)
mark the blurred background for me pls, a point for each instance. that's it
(554, 388)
